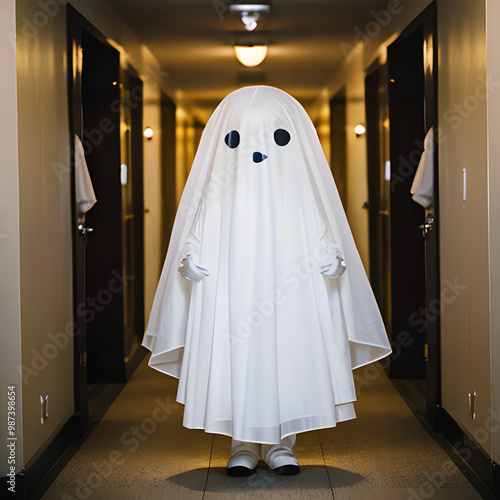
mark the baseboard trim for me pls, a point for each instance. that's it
(469, 451)
(44, 465)
(18, 483)
(134, 361)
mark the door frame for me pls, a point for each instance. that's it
(427, 21)
(377, 145)
(76, 25)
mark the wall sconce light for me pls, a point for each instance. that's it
(250, 13)
(359, 130)
(250, 55)
(148, 133)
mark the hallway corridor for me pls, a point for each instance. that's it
(104, 104)
(139, 450)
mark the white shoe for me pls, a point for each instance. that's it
(280, 458)
(244, 458)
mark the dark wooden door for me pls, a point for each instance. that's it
(79, 233)
(108, 240)
(132, 196)
(407, 122)
(378, 159)
(105, 273)
(338, 156)
(414, 235)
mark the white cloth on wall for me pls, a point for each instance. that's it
(422, 188)
(84, 191)
(262, 342)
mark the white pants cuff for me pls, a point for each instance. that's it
(281, 454)
(244, 454)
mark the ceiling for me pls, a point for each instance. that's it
(193, 40)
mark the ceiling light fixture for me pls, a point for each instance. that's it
(250, 55)
(250, 20)
(250, 13)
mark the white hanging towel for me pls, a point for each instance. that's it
(85, 196)
(422, 188)
(261, 337)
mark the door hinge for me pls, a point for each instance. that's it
(83, 358)
(426, 352)
(472, 405)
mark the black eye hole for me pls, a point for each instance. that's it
(281, 137)
(232, 139)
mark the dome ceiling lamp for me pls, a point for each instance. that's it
(250, 55)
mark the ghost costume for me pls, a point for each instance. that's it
(262, 326)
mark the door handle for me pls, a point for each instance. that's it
(425, 228)
(84, 230)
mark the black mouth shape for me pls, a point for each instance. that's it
(258, 157)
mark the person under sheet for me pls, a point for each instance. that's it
(263, 307)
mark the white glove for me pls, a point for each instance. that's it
(190, 270)
(334, 270)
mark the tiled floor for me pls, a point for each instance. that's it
(140, 450)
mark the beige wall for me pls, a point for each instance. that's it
(351, 75)
(152, 196)
(187, 138)
(45, 210)
(45, 231)
(10, 307)
(469, 243)
(493, 64)
(465, 342)
(357, 166)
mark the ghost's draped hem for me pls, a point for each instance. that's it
(342, 413)
(167, 361)
(369, 344)
(363, 354)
